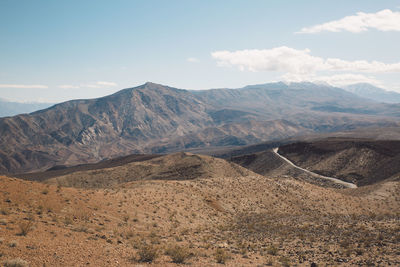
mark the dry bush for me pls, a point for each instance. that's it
(272, 250)
(221, 256)
(68, 220)
(13, 244)
(81, 214)
(15, 263)
(284, 261)
(45, 191)
(147, 253)
(128, 233)
(25, 227)
(4, 211)
(178, 254)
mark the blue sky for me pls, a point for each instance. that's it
(58, 50)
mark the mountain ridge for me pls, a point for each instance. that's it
(144, 118)
(372, 92)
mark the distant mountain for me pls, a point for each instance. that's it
(8, 108)
(372, 92)
(153, 118)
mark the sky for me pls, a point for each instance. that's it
(52, 51)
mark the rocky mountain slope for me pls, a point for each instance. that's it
(155, 118)
(354, 160)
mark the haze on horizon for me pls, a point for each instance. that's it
(53, 51)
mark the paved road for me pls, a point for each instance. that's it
(335, 180)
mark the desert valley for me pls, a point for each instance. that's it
(229, 199)
(199, 133)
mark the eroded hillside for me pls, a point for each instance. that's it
(354, 160)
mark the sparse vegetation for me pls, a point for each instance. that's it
(272, 250)
(25, 227)
(4, 211)
(177, 253)
(13, 244)
(264, 221)
(147, 253)
(221, 256)
(15, 263)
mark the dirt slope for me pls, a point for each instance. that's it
(178, 166)
(252, 219)
(60, 170)
(354, 160)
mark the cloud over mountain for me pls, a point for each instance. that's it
(286, 59)
(384, 20)
(301, 65)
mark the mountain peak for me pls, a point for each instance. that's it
(152, 84)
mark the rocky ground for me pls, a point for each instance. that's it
(239, 218)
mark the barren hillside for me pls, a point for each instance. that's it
(178, 166)
(354, 160)
(224, 215)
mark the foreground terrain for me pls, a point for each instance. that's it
(198, 210)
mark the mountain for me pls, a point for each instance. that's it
(372, 92)
(8, 108)
(81, 131)
(153, 118)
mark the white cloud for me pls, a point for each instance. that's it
(276, 59)
(68, 86)
(99, 84)
(384, 20)
(24, 86)
(286, 59)
(192, 59)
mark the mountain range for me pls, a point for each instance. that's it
(154, 118)
(372, 92)
(9, 108)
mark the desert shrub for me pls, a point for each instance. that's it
(272, 250)
(125, 218)
(129, 233)
(147, 253)
(15, 263)
(178, 254)
(221, 256)
(25, 227)
(4, 211)
(68, 220)
(269, 261)
(13, 244)
(81, 214)
(45, 191)
(284, 261)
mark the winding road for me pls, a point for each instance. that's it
(335, 180)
